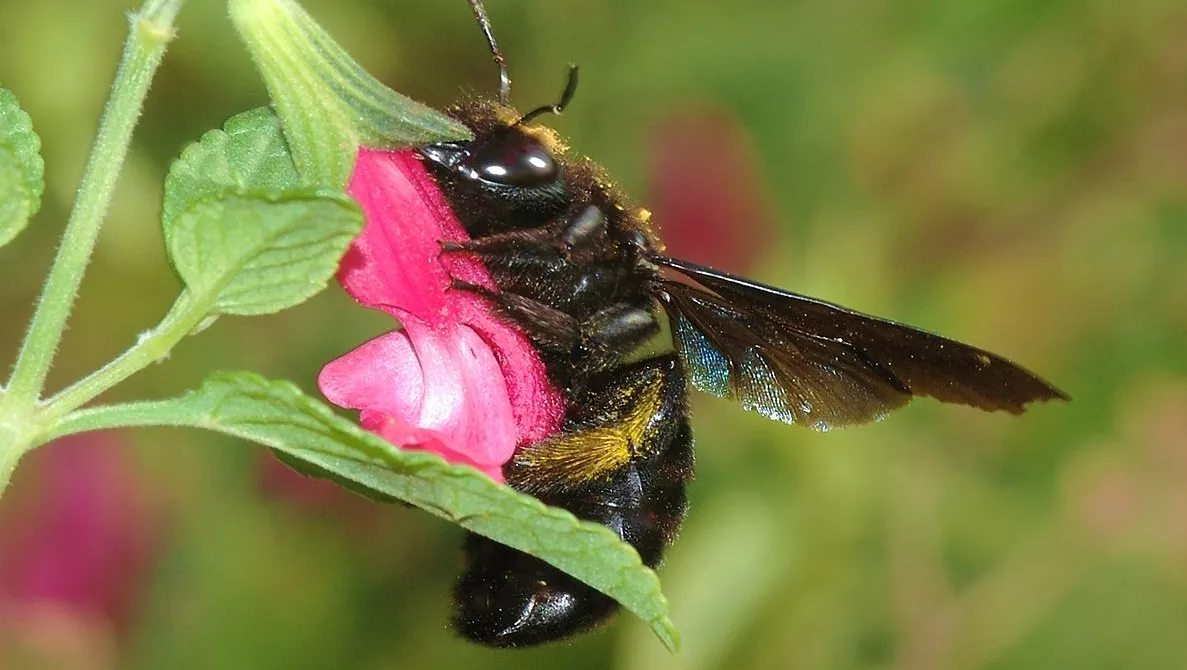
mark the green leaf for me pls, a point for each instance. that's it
(328, 104)
(248, 154)
(276, 414)
(257, 253)
(310, 470)
(22, 171)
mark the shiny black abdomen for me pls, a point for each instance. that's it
(507, 598)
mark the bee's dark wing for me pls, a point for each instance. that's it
(800, 360)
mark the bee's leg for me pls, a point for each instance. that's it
(500, 244)
(611, 332)
(545, 326)
(517, 253)
(552, 241)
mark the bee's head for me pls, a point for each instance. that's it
(501, 161)
(509, 173)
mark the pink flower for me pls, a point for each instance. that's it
(456, 380)
(707, 192)
(76, 543)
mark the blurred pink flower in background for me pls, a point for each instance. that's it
(455, 381)
(707, 190)
(76, 544)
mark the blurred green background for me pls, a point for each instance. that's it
(1012, 173)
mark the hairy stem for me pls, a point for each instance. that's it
(185, 315)
(149, 33)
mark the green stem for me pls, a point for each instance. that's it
(149, 33)
(11, 450)
(185, 315)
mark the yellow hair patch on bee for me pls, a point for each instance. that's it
(596, 453)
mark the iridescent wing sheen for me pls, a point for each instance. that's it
(800, 360)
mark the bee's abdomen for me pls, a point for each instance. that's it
(644, 502)
(508, 598)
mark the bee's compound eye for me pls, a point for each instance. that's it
(515, 160)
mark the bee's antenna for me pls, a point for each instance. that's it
(566, 98)
(504, 78)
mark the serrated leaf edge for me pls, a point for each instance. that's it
(15, 121)
(267, 197)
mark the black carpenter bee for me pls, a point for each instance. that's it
(580, 272)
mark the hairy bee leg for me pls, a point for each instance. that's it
(615, 330)
(544, 325)
(580, 232)
(499, 244)
(519, 253)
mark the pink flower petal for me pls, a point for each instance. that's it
(462, 402)
(457, 380)
(409, 437)
(396, 263)
(382, 374)
(537, 406)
